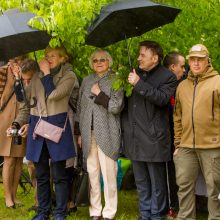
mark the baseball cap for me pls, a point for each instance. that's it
(198, 50)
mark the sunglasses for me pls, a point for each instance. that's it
(102, 60)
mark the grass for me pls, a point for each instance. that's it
(127, 207)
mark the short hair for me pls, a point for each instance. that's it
(29, 65)
(61, 51)
(107, 56)
(171, 58)
(154, 47)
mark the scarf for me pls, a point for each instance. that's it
(55, 70)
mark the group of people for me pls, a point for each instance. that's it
(165, 119)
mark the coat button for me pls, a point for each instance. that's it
(142, 92)
(134, 106)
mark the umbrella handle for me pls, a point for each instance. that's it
(25, 98)
(129, 56)
(32, 105)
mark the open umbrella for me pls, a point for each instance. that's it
(17, 37)
(128, 18)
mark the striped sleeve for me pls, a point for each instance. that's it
(3, 79)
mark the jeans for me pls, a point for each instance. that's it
(151, 182)
(60, 180)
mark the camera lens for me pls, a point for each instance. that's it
(17, 139)
(14, 131)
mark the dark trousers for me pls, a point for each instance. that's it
(60, 180)
(172, 186)
(150, 178)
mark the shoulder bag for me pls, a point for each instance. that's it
(48, 130)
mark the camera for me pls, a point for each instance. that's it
(17, 139)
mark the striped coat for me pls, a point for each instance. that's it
(106, 122)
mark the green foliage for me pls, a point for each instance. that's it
(121, 80)
(68, 20)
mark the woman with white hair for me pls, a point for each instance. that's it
(99, 108)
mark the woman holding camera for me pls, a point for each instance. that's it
(12, 149)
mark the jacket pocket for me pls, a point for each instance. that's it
(216, 168)
(215, 105)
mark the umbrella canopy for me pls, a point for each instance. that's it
(17, 38)
(128, 18)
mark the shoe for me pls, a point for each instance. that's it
(108, 219)
(72, 210)
(11, 207)
(96, 217)
(171, 213)
(40, 217)
(60, 218)
(33, 208)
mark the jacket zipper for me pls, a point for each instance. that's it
(213, 103)
(193, 126)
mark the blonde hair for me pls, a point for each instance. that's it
(61, 51)
(107, 56)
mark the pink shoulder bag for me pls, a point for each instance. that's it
(48, 130)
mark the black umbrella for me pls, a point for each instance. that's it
(17, 37)
(128, 18)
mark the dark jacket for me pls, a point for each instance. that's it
(145, 119)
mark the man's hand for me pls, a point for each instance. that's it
(176, 151)
(79, 141)
(24, 130)
(133, 78)
(95, 89)
(8, 131)
(15, 70)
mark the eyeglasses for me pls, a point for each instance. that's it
(102, 60)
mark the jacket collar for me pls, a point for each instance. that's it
(144, 74)
(210, 72)
(97, 77)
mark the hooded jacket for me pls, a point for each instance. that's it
(197, 111)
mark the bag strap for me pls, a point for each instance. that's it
(6, 103)
(34, 134)
(39, 107)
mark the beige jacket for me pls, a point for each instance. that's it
(7, 116)
(56, 102)
(197, 111)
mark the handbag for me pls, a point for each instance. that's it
(48, 130)
(80, 187)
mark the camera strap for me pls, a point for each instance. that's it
(5, 104)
